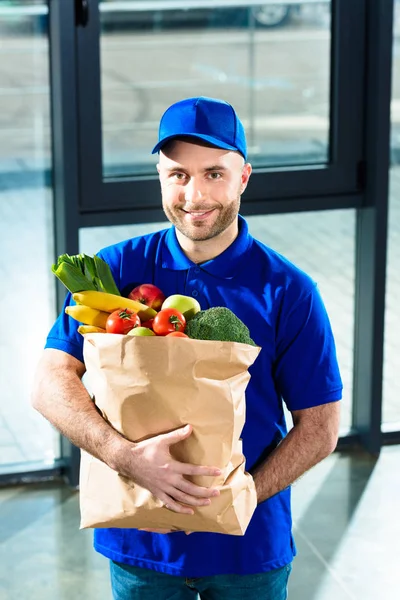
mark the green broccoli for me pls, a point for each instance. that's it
(219, 324)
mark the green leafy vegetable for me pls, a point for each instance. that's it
(81, 272)
(219, 324)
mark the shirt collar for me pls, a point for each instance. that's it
(225, 265)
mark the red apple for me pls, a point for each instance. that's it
(148, 324)
(148, 294)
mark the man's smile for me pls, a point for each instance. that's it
(198, 215)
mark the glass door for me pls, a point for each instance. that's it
(293, 74)
(27, 441)
(291, 71)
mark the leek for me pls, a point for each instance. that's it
(81, 272)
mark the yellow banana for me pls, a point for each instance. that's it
(90, 329)
(87, 315)
(110, 302)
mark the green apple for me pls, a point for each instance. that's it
(141, 331)
(187, 305)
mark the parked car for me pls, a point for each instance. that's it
(273, 15)
(264, 15)
(268, 14)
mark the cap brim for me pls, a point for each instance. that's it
(206, 138)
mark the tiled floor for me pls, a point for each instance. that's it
(346, 531)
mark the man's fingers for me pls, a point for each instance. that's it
(190, 500)
(179, 508)
(173, 437)
(196, 490)
(188, 469)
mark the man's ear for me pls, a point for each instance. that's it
(158, 168)
(246, 172)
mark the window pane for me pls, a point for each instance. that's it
(391, 384)
(92, 239)
(26, 228)
(320, 243)
(323, 245)
(271, 62)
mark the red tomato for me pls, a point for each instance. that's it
(122, 321)
(148, 324)
(168, 320)
(176, 334)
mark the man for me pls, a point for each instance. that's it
(208, 253)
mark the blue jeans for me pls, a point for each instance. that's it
(134, 583)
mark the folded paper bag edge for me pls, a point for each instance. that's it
(238, 508)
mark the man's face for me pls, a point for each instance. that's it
(201, 187)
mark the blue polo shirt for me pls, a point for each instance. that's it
(282, 307)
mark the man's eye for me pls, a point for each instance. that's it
(214, 175)
(179, 176)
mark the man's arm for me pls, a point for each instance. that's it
(60, 396)
(313, 437)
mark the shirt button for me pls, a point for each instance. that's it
(195, 293)
(196, 270)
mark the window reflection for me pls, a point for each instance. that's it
(26, 228)
(391, 385)
(271, 63)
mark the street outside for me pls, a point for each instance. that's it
(278, 80)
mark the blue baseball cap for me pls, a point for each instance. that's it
(208, 119)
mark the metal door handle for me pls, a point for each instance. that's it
(81, 12)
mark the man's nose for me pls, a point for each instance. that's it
(193, 191)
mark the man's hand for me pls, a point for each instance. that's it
(60, 396)
(150, 465)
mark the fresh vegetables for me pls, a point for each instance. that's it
(148, 324)
(177, 334)
(122, 321)
(111, 302)
(81, 272)
(168, 320)
(220, 324)
(90, 329)
(147, 312)
(87, 315)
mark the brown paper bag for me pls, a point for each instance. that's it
(145, 386)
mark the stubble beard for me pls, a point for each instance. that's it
(200, 231)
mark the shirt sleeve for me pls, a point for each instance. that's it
(64, 333)
(306, 367)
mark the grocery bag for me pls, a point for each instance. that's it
(146, 386)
